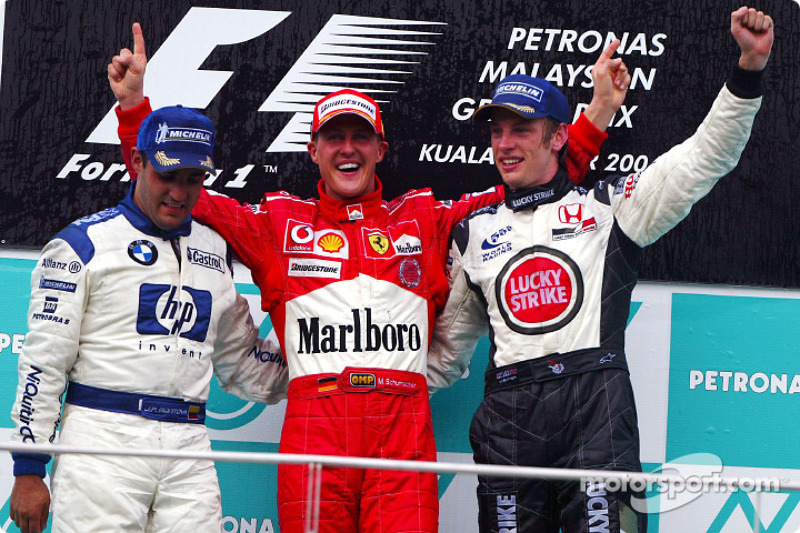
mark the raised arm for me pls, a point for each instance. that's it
(611, 79)
(655, 201)
(754, 33)
(126, 72)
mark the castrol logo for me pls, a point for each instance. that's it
(539, 290)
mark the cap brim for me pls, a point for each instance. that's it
(354, 113)
(484, 113)
(168, 162)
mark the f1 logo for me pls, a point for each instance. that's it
(173, 75)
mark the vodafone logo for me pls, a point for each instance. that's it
(299, 237)
(539, 290)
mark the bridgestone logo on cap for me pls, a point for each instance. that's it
(347, 103)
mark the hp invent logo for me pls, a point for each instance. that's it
(168, 310)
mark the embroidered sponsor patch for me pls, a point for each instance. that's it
(315, 268)
(362, 379)
(205, 259)
(57, 285)
(410, 273)
(539, 290)
(143, 252)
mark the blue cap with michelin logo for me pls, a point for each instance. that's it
(177, 137)
(528, 97)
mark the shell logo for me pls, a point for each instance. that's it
(331, 243)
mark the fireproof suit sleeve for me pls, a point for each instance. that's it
(460, 325)
(58, 297)
(649, 204)
(247, 366)
(128, 130)
(584, 145)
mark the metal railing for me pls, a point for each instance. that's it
(316, 464)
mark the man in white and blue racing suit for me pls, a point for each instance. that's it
(132, 310)
(548, 275)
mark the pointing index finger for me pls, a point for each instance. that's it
(609, 50)
(138, 40)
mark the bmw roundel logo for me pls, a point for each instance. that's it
(143, 252)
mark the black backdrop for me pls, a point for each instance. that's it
(54, 94)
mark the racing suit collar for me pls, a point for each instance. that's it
(546, 193)
(363, 207)
(140, 221)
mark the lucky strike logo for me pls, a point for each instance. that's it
(539, 290)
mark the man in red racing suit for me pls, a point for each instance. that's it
(353, 284)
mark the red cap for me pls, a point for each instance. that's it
(347, 101)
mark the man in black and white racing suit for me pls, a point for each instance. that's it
(548, 274)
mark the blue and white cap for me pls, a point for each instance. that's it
(177, 137)
(528, 97)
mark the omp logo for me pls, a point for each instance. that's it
(348, 51)
(169, 310)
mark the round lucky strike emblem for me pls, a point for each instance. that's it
(539, 290)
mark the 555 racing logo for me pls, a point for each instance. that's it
(349, 51)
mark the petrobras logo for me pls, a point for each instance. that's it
(171, 310)
(539, 290)
(50, 304)
(48, 312)
(205, 259)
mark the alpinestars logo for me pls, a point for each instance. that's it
(349, 51)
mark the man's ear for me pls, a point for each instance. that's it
(312, 151)
(559, 138)
(136, 161)
(383, 147)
